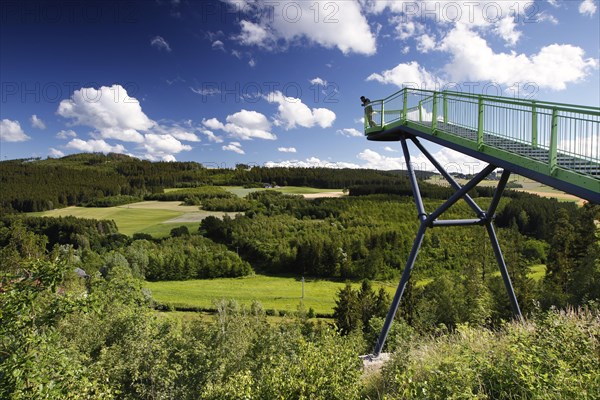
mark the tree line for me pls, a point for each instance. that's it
(95, 246)
(30, 185)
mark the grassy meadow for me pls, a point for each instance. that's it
(156, 218)
(242, 192)
(528, 185)
(276, 293)
(537, 272)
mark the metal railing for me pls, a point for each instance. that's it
(568, 136)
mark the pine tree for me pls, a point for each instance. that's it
(561, 263)
(586, 276)
(346, 311)
(367, 301)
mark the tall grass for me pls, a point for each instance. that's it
(555, 355)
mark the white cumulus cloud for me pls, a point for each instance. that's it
(65, 134)
(177, 132)
(331, 24)
(374, 160)
(236, 147)
(254, 34)
(244, 125)
(287, 149)
(95, 146)
(505, 28)
(113, 114)
(545, 17)
(408, 74)
(318, 81)
(213, 123)
(351, 132)
(11, 131)
(451, 160)
(109, 110)
(553, 67)
(163, 147)
(218, 45)
(211, 136)
(587, 7)
(406, 28)
(425, 43)
(310, 162)
(37, 122)
(55, 153)
(486, 15)
(293, 112)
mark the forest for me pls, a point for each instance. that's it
(76, 321)
(36, 185)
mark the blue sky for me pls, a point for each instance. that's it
(270, 82)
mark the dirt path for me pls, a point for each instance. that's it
(323, 194)
(162, 205)
(555, 195)
(198, 216)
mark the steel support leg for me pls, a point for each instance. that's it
(503, 271)
(498, 194)
(413, 181)
(496, 246)
(410, 263)
(485, 218)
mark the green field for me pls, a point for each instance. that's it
(528, 185)
(157, 218)
(151, 217)
(537, 272)
(242, 192)
(304, 190)
(276, 293)
(441, 181)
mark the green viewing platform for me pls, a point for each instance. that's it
(555, 144)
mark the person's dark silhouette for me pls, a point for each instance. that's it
(366, 103)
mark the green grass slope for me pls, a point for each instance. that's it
(276, 293)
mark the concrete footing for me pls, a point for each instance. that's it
(373, 364)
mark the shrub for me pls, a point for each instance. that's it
(554, 356)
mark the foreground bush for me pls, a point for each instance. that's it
(64, 337)
(60, 339)
(555, 356)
